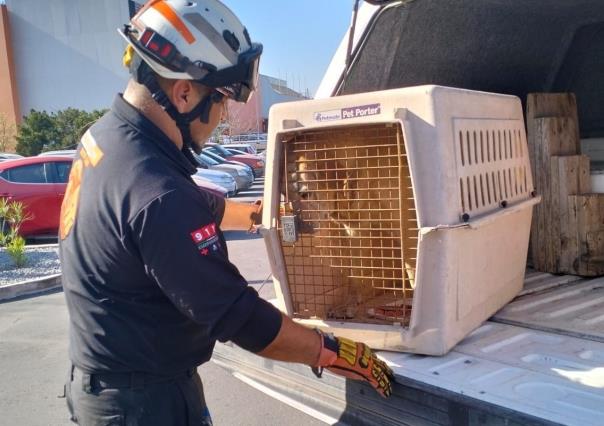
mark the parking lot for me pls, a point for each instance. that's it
(33, 354)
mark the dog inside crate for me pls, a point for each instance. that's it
(349, 190)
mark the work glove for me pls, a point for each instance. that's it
(353, 360)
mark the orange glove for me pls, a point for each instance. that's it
(353, 360)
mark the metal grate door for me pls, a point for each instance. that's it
(348, 190)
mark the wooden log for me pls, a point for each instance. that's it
(540, 105)
(552, 129)
(587, 211)
(569, 176)
(551, 136)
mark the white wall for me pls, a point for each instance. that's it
(270, 96)
(67, 52)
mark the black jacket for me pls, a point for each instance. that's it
(146, 274)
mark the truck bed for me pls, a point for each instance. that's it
(538, 361)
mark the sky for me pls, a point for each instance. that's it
(299, 36)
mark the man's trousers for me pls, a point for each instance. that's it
(136, 399)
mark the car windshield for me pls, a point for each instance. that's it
(221, 150)
(209, 160)
(236, 151)
(214, 156)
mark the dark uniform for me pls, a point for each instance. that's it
(148, 283)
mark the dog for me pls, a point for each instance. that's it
(348, 201)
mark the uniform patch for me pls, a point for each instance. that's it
(90, 155)
(206, 239)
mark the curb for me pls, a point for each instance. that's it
(40, 246)
(31, 287)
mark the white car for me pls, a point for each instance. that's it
(219, 178)
(9, 156)
(59, 153)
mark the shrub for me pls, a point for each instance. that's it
(12, 216)
(16, 250)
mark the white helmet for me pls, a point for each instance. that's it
(199, 40)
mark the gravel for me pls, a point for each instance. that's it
(41, 262)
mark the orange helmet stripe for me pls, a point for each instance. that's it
(168, 13)
(145, 7)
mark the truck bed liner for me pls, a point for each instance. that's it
(500, 374)
(574, 308)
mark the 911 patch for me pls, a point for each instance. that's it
(206, 239)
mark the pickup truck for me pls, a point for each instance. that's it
(539, 360)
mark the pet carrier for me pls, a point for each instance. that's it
(400, 218)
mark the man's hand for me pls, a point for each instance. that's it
(256, 217)
(354, 360)
(241, 216)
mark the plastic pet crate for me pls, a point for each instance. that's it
(399, 218)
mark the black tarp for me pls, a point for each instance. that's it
(502, 46)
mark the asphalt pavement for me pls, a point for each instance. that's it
(33, 355)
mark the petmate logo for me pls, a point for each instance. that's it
(332, 115)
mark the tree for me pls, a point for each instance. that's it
(41, 131)
(35, 132)
(8, 133)
(70, 125)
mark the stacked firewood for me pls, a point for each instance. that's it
(567, 233)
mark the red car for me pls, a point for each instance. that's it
(38, 182)
(254, 161)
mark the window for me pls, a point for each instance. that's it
(210, 161)
(33, 173)
(63, 169)
(220, 150)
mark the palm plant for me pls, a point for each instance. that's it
(16, 215)
(4, 224)
(12, 216)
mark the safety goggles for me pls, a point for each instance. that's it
(239, 81)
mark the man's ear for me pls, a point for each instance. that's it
(182, 94)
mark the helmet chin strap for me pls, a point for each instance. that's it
(183, 121)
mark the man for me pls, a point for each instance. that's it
(146, 274)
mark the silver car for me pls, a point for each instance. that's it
(243, 175)
(9, 156)
(219, 178)
(59, 153)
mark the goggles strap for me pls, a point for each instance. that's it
(182, 121)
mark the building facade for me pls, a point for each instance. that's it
(67, 54)
(253, 116)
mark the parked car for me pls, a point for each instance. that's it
(206, 185)
(243, 175)
(258, 140)
(9, 156)
(261, 155)
(222, 179)
(245, 147)
(221, 160)
(39, 183)
(235, 151)
(60, 153)
(256, 162)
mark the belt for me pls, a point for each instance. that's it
(133, 380)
